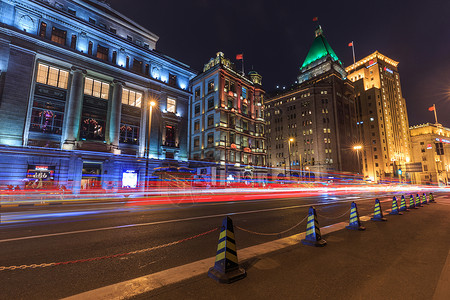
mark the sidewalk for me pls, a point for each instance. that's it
(406, 257)
(402, 258)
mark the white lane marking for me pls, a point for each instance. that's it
(443, 287)
(173, 221)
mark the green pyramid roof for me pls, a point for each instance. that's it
(319, 49)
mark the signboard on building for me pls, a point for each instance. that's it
(414, 167)
(41, 172)
(129, 179)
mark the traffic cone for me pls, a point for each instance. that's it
(226, 268)
(424, 199)
(411, 202)
(313, 236)
(417, 201)
(354, 223)
(403, 204)
(378, 212)
(394, 210)
(431, 198)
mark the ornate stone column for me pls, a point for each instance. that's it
(74, 107)
(115, 114)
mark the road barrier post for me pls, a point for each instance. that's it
(354, 223)
(394, 210)
(378, 212)
(417, 201)
(313, 236)
(403, 204)
(411, 202)
(431, 198)
(424, 199)
(226, 267)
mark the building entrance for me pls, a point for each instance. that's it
(91, 175)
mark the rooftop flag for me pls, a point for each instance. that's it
(431, 108)
(350, 44)
(239, 56)
(315, 19)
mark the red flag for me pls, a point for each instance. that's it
(431, 108)
(240, 56)
(350, 44)
(315, 19)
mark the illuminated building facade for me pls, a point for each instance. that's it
(431, 147)
(76, 81)
(382, 118)
(226, 124)
(311, 128)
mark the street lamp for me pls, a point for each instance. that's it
(289, 147)
(357, 148)
(147, 144)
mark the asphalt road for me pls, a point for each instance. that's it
(55, 234)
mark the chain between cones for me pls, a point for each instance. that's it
(272, 234)
(45, 265)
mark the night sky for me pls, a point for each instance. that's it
(275, 37)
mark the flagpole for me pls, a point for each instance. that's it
(243, 73)
(435, 114)
(354, 60)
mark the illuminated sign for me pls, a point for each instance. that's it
(129, 179)
(429, 146)
(388, 70)
(44, 173)
(443, 141)
(371, 63)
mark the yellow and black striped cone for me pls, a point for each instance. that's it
(378, 212)
(226, 268)
(431, 198)
(403, 204)
(411, 202)
(313, 236)
(354, 223)
(424, 199)
(394, 210)
(418, 204)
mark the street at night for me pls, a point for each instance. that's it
(224, 149)
(74, 232)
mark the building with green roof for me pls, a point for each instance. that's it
(311, 128)
(320, 59)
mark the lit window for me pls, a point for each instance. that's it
(171, 105)
(52, 76)
(96, 88)
(132, 98)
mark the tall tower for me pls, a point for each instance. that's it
(382, 118)
(311, 128)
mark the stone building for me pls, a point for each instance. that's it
(310, 128)
(431, 148)
(382, 118)
(77, 78)
(227, 123)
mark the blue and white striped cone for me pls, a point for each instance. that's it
(378, 212)
(313, 236)
(424, 199)
(403, 204)
(431, 198)
(411, 202)
(394, 210)
(354, 223)
(417, 201)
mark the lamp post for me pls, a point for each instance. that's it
(289, 148)
(357, 148)
(147, 143)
